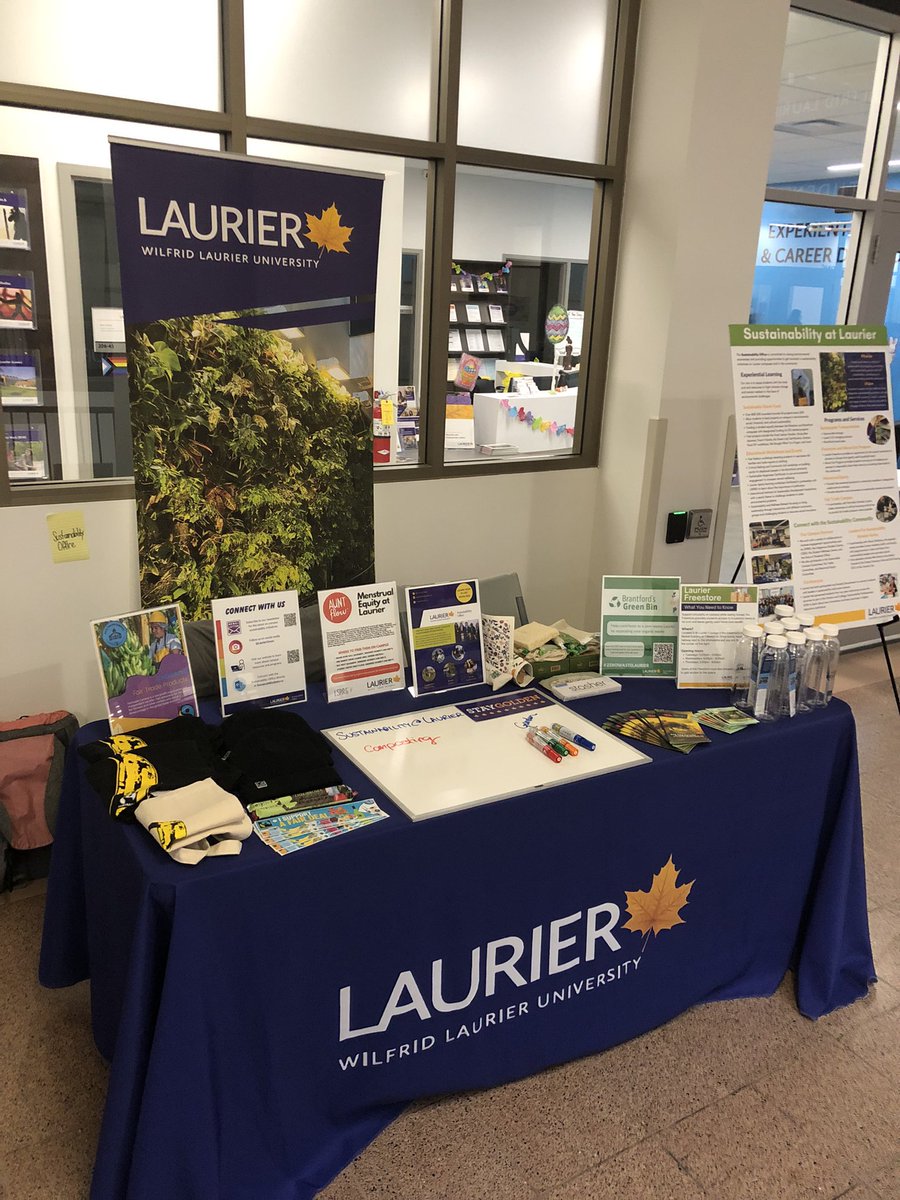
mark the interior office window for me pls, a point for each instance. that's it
(344, 65)
(89, 46)
(514, 349)
(383, 353)
(533, 77)
(61, 422)
(800, 261)
(824, 104)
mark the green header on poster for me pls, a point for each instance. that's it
(808, 335)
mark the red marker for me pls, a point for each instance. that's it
(535, 741)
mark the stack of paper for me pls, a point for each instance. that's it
(660, 727)
(728, 720)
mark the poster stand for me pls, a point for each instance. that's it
(887, 657)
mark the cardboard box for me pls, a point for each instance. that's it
(564, 666)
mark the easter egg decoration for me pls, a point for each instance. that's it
(556, 326)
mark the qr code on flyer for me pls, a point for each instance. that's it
(290, 620)
(663, 652)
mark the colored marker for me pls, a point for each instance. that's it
(551, 740)
(534, 739)
(572, 736)
(558, 742)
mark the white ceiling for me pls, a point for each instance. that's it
(824, 100)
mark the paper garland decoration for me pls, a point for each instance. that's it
(538, 424)
(489, 275)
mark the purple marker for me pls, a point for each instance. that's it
(572, 736)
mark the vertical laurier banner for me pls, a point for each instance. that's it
(817, 465)
(248, 289)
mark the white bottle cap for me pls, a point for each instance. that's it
(773, 626)
(805, 619)
(815, 634)
(751, 629)
(784, 610)
(795, 638)
(791, 623)
(829, 630)
(776, 641)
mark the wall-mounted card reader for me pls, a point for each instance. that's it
(676, 526)
(699, 522)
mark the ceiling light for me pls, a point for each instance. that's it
(846, 167)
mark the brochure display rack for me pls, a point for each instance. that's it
(479, 300)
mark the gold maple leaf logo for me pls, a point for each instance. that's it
(659, 908)
(327, 231)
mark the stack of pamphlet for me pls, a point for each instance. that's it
(294, 822)
(660, 727)
(728, 720)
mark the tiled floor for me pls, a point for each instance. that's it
(744, 1100)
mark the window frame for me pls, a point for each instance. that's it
(235, 126)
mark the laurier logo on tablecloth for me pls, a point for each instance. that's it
(550, 949)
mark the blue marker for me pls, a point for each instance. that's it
(572, 736)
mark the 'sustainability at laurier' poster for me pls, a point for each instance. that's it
(246, 284)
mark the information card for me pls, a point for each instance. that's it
(639, 625)
(711, 617)
(144, 668)
(818, 468)
(259, 651)
(445, 649)
(361, 640)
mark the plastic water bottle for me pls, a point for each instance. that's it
(791, 624)
(832, 655)
(806, 620)
(784, 610)
(772, 682)
(796, 648)
(746, 667)
(812, 678)
(772, 625)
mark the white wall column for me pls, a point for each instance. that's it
(705, 95)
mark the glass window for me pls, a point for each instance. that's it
(73, 417)
(90, 47)
(533, 77)
(824, 103)
(343, 65)
(800, 263)
(893, 172)
(514, 346)
(892, 323)
(380, 359)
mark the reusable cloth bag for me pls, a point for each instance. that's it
(194, 822)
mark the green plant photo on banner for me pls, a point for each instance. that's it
(253, 468)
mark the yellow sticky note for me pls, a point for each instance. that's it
(387, 411)
(68, 540)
